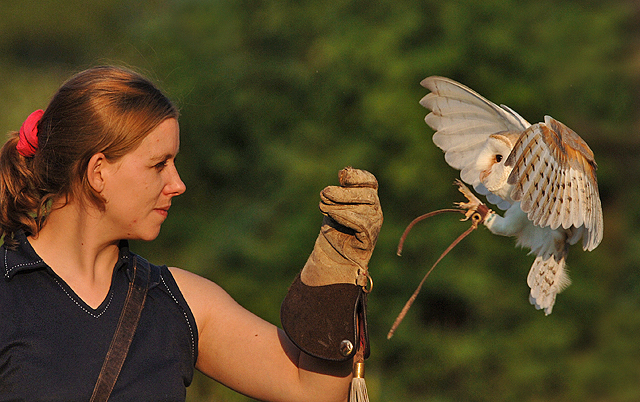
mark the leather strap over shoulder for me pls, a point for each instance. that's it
(148, 275)
(125, 330)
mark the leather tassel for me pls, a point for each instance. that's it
(358, 386)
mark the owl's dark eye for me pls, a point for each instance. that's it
(498, 158)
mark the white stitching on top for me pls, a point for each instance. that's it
(8, 271)
(81, 306)
(186, 318)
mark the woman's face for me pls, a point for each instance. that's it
(139, 187)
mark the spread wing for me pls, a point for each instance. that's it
(463, 120)
(554, 178)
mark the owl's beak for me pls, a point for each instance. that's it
(484, 174)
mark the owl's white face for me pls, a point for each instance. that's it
(490, 163)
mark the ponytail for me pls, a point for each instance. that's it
(19, 198)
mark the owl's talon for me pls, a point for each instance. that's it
(472, 205)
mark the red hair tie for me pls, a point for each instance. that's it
(28, 140)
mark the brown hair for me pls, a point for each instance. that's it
(103, 109)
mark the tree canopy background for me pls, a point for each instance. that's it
(277, 96)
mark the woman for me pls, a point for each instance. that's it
(93, 170)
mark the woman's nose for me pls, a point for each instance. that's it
(175, 186)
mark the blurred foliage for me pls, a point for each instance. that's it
(277, 96)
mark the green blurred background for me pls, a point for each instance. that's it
(277, 96)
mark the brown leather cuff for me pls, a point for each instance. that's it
(327, 322)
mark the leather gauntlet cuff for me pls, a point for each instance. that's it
(327, 322)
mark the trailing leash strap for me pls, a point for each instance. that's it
(125, 331)
(478, 215)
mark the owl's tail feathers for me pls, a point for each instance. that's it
(547, 278)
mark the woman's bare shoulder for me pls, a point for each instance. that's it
(206, 299)
(196, 288)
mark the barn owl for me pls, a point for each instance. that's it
(543, 175)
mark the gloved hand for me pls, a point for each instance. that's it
(349, 231)
(324, 312)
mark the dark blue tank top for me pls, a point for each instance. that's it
(52, 344)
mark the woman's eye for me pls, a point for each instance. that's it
(161, 165)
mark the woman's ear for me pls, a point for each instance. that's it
(96, 170)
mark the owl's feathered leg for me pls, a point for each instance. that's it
(511, 224)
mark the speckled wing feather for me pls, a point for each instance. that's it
(554, 178)
(463, 120)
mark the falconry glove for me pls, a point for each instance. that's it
(324, 312)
